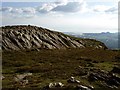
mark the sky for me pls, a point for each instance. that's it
(82, 16)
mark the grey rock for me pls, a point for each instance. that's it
(2, 77)
(73, 80)
(91, 87)
(81, 87)
(110, 79)
(21, 79)
(51, 85)
(57, 84)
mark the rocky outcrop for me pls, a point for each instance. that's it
(110, 79)
(22, 79)
(33, 37)
(116, 70)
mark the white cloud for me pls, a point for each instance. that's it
(69, 7)
(77, 15)
(62, 5)
(100, 8)
(112, 10)
(55, 0)
(16, 10)
(61, 2)
(29, 10)
(105, 9)
(5, 9)
(66, 6)
(47, 7)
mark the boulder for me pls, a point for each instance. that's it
(51, 85)
(59, 84)
(2, 77)
(22, 79)
(55, 85)
(73, 80)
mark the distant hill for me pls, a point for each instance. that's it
(32, 37)
(109, 39)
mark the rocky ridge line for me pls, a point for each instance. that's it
(22, 37)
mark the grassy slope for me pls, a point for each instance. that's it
(55, 65)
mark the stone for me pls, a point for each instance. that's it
(51, 85)
(81, 87)
(91, 87)
(109, 79)
(56, 84)
(22, 79)
(77, 81)
(2, 77)
(116, 70)
(73, 80)
(59, 84)
(92, 77)
(116, 78)
(24, 82)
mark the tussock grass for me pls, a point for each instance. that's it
(55, 65)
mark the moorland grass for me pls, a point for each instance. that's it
(55, 65)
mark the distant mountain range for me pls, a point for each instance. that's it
(109, 39)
